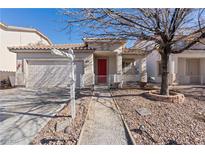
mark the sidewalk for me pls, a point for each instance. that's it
(104, 125)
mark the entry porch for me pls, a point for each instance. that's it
(115, 69)
(188, 68)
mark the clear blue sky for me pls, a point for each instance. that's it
(47, 21)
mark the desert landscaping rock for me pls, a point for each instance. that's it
(69, 130)
(51, 141)
(174, 97)
(169, 123)
(143, 111)
(61, 126)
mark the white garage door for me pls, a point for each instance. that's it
(79, 72)
(48, 74)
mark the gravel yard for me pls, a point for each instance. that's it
(168, 123)
(50, 136)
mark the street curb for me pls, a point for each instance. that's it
(124, 122)
(86, 118)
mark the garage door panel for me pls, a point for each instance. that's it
(47, 62)
(48, 74)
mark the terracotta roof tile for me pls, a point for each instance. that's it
(48, 47)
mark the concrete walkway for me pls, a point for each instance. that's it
(104, 125)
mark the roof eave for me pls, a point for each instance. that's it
(140, 54)
(46, 50)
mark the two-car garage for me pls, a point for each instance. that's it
(51, 73)
(38, 67)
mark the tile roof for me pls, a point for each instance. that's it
(49, 47)
(199, 46)
(131, 51)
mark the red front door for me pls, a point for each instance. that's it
(102, 70)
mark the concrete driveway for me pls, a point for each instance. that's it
(23, 112)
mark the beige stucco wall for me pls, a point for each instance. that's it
(88, 61)
(177, 65)
(152, 65)
(4, 75)
(110, 51)
(182, 78)
(113, 53)
(15, 38)
(112, 64)
(107, 46)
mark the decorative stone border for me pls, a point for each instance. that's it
(86, 118)
(124, 122)
(174, 97)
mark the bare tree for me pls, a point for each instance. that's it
(171, 30)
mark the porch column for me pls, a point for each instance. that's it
(143, 69)
(119, 63)
(88, 77)
(119, 68)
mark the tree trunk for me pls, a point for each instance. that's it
(165, 79)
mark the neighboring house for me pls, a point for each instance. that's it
(15, 36)
(102, 61)
(187, 67)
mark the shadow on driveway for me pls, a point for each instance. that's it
(23, 112)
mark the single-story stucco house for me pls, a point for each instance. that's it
(187, 67)
(26, 53)
(15, 36)
(103, 61)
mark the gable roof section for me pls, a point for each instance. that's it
(43, 48)
(184, 39)
(131, 51)
(198, 46)
(23, 29)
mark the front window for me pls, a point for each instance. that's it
(125, 64)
